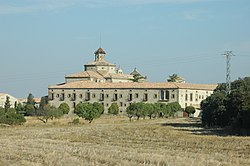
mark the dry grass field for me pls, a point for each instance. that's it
(116, 141)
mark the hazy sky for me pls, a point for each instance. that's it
(43, 40)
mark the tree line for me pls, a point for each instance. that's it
(87, 111)
(143, 110)
(222, 109)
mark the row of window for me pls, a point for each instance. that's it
(102, 96)
(165, 95)
(201, 97)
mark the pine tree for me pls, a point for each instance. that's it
(7, 104)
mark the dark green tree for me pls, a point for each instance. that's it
(190, 110)
(89, 111)
(64, 107)
(30, 99)
(113, 109)
(149, 110)
(43, 102)
(7, 104)
(130, 111)
(174, 108)
(213, 110)
(20, 109)
(30, 110)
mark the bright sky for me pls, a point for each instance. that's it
(43, 40)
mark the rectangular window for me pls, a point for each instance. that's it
(115, 97)
(162, 94)
(136, 95)
(62, 97)
(155, 96)
(73, 98)
(107, 95)
(173, 96)
(186, 97)
(93, 95)
(87, 98)
(120, 95)
(145, 97)
(191, 96)
(167, 95)
(101, 96)
(74, 105)
(52, 96)
(130, 97)
(121, 104)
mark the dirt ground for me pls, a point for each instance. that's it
(115, 141)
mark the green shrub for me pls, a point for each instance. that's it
(64, 107)
(12, 118)
(113, 109)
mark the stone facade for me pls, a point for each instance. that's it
(107, 85)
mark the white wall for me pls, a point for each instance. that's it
(3, 100)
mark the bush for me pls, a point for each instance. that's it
(113, 109)
(190, 110)
(11, 117)
(64, 107)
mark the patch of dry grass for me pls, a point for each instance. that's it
(116, 141)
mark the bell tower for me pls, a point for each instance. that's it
(100, 55)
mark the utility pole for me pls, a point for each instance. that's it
(228, 55)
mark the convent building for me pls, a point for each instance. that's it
(102, 82)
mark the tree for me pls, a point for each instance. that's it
(89, 111)
(43, 102)
(190, 110)
(150, 110)
(49, 112)
(29, 110)
(173, 78)
(135, 109)
(113, 109)
(20, 109)
(139, 110)
(64, 107)
(7, 104)
(174, 108)
(30, 99)
(137, 78)
(130, 111)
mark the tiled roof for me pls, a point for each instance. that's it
(100, 51)
(100, 63)
(118, 76)
(85, 74)
(132, 85)
(195, 86)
